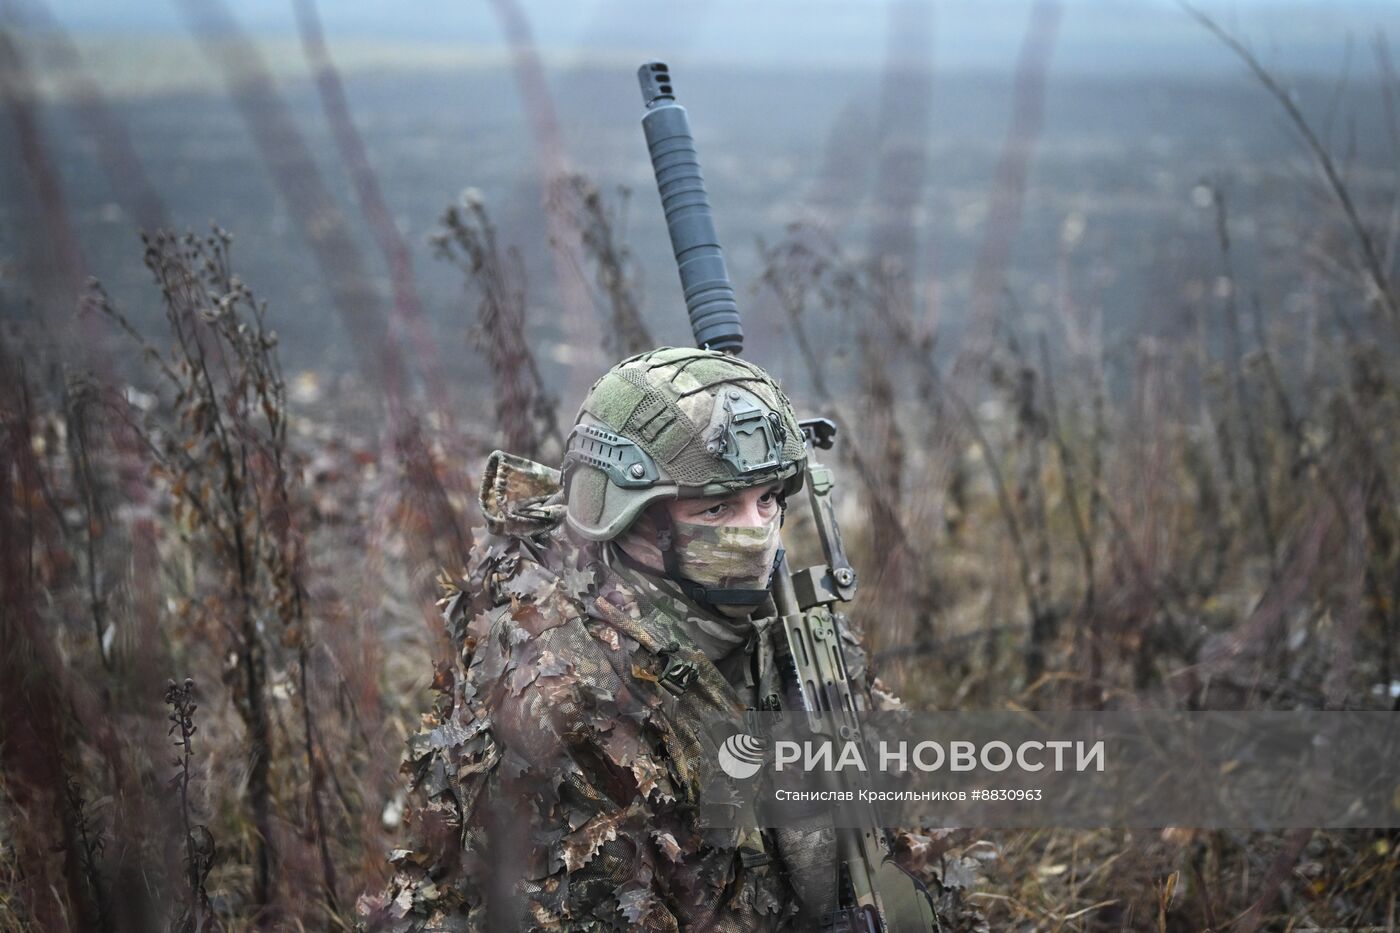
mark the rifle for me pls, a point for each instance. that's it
(877, 896)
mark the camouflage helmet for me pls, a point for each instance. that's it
(676, 423)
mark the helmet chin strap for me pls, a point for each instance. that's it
(707, 596)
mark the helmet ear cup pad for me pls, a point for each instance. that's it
(588, 489)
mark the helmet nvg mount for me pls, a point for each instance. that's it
(676, 423)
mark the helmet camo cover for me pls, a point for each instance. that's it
(676, 422)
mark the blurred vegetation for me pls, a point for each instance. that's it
(218, 614)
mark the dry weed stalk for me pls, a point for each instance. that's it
(198, 842)
(36, 753)
(551, 162)
(60, 264)
(90, 841)
(235, 489)
(525, 410)
(130, 183)
(603, 230)
(408, 322)
(1374, 269)
(1243, 399)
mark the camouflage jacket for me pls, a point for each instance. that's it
(555, 784)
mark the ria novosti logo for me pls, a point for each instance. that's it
(742, 755)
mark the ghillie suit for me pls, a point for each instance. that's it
(557, 781)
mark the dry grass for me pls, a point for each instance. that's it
(1197, 521)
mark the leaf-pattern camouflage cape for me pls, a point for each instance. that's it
(555, 784)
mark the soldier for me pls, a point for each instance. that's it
(615, 606)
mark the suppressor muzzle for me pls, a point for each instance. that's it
(709, 296)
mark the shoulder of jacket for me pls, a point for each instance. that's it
(507, 569)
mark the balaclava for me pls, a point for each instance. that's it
(728, 567)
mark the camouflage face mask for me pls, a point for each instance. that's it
(726, 556)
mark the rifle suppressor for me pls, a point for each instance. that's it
(709, 296)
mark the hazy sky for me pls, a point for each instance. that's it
(1096, 35)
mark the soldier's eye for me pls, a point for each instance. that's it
(714, 511)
